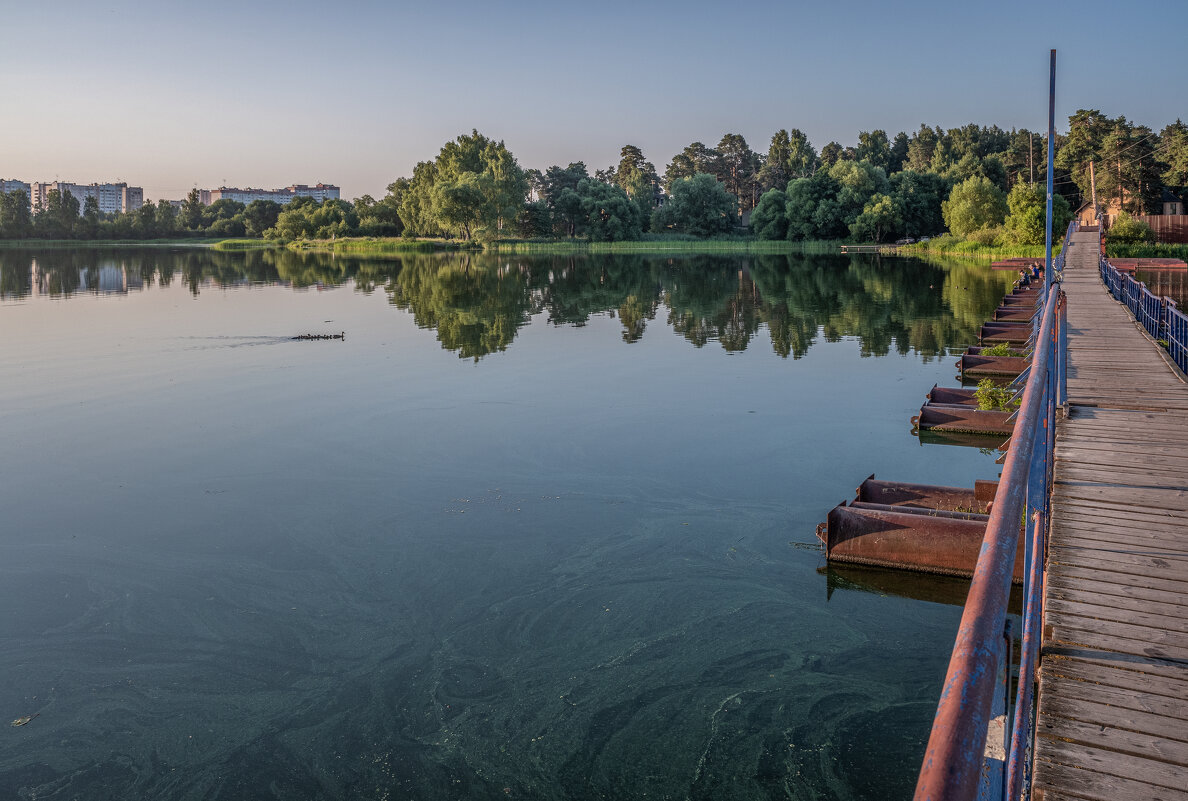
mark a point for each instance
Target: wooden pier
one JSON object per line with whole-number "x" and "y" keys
{"x": 1113, "y": 680}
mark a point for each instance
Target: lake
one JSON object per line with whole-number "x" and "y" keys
{"x": 533, "y": 528}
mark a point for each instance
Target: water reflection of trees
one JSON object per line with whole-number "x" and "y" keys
{"x": 476, "y": 305}
{"x": 477, "y": 302}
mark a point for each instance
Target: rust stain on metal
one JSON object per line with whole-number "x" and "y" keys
{"x": 910, "y": 538}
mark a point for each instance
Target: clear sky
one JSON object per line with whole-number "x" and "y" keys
{"x": 171, "y": 95}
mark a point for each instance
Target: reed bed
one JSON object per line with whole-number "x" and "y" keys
{"x": 661, "y": 247}
{"x": 381, "y": 245}
{"x": 951, "y": 246}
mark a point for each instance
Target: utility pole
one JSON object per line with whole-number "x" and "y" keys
{"x": 1030, "y": 153}
{"x": 1051, "y": 169}
{"x": 1093, "y": 187}
{"x": 1121, "y": 191}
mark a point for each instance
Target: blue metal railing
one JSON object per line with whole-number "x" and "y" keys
{"x": 953, "y": 767}
{"x": 1177, "y": 334}
{"x": 1160, "y": 316}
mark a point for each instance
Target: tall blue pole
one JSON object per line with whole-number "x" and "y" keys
{"x": 1051, "y": 169}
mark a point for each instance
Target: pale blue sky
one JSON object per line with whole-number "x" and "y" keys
{"x": 170, "y": 95}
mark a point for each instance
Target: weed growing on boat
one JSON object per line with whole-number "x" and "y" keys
{"x": 992, "y": 397}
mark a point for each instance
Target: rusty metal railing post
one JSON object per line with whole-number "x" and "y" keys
{"x": 1062, "y": 354}
{"x": 1018, "y": 755}
{"x": 1038, "y": 500}
{"x": 953, "y": 761}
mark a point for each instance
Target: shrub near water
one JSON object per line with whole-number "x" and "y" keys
{"x": 1127, "y": 230}
{"x": 992, "y": 397}
{"x": 974, "y": 204}
{"x": 1028, "y": 219}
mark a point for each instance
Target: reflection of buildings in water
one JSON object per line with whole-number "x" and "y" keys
{"x": 109, "y": 278}
{"x": 105, "y": 278}
{"x": 61, "y": 276}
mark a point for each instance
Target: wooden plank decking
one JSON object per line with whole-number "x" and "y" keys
{"x": 1113, "y": 686}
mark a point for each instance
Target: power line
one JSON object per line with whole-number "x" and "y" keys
{"x": 1136, "y": 142}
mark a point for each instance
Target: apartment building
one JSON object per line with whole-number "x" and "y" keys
{"x": 318, "y": 192}
{"x": 110, "y": 197}
{"x": 15, "y": 186}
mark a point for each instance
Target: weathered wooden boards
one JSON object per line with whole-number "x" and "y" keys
{"x": 1113, "y": 697}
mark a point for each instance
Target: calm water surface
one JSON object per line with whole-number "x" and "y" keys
{"x": 1166, "y": 283}
{"x": 537, "y": 528}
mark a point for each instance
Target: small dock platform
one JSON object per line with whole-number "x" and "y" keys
{"x": 1113, "y": 679}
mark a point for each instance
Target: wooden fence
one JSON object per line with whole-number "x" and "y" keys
{"x": 1168, "y": 227}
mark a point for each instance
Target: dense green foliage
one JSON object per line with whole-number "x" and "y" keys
{"x": 607, "y": 213}
{"x": 975, "y": 204}
{"x": 304, "y": 218}
{"x": 474, "y": 187}
{"x": 1126, "y": 230}
{"x": 769, "y": 220}
{"x": 16, "y": 222}
{"x": 699, "y": 205}
{"x": 880, "y": 216}
{"x": 1131, "y": 164}
{"x": 918, "y": 196}
{"x": 1026, "y": 222}
{"x": 975, "y": 181}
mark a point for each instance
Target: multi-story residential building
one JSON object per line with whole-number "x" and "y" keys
{"x": 121, "y": 197}
{"x": 110, "y": 197}
{"x": 132, "y": 197}
{"x": 15, "y": 186}
{"x": 318, "y": 192}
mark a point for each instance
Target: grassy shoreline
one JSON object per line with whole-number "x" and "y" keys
{"x": 662, "y": 247}
{"x": 379, "y": 245}
{"x": 556, "y": 247}
{"x": 649, "y": 245}
{"x": 188, "y": 242}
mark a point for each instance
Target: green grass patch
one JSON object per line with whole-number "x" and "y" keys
{"x": 247, "y": 244}
{"x": 381, "y": 245}
{"x": 949, "y": 245}
{"x": 192, "y": 241}
{"x": 659, "y": 244}
{"x": 1160, "y": 250}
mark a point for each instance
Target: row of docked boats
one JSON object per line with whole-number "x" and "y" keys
{"x": 937, "y": 529}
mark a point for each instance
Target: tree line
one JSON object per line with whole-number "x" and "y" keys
{"x": 972, "y": 181}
